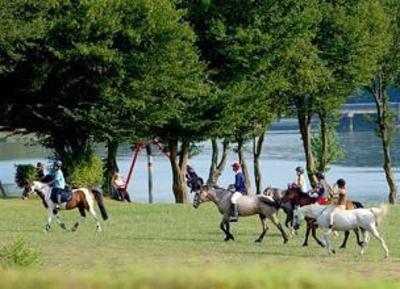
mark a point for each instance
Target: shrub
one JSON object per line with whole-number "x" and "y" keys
{"x": 18, "y": 254}
{"x": 24, "y": 174}
{"x": 87, "y": 172}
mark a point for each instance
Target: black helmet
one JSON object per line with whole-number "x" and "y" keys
{"x": 341, "y": 183}
{"x": 300, "y": 170}
{"x": 320, "y": 175}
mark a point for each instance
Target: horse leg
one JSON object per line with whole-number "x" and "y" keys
{"x": 308, "y": 230}
{"x": 264, "y": 228}
{"x": 346, "y": 236}
{"x": 314, "y": 234}
{"x": 93, "y": 212}
{"x": 49, "y": 220}
{"x": 365, "y": 235}
{"x": 81, "y": 218}
{"x": 327, "y": 238}
{"x": 230, "y": 236}
{"x": 222, "y": 227}
{"x": 60, "y": 222}
{"x": 375, "y": 233}
{"x": 276, "y": 222}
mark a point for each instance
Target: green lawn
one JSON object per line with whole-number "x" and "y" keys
{"x": 178, "y": 237}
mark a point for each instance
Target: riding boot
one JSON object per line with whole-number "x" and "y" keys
{"x": 234, "y": 213}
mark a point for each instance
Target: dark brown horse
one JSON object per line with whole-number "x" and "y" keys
{"x": 293, "y": 197}
{"x": 81, "y": 198}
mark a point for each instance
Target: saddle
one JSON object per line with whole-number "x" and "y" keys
{"x": 66, "y": 196}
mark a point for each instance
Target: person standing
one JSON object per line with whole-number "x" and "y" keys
{"x": 240, "y": 190}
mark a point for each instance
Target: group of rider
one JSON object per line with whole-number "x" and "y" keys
{"x": 321, "y": 193}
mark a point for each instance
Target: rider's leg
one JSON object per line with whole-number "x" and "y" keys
{"x": 234, "y": 209}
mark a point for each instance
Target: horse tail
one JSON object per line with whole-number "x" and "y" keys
{"x": 357, "y": 205}
{"x": 270, "y": 202}
{"x": 98, "y": 195}
{"x": 380, "y": 212}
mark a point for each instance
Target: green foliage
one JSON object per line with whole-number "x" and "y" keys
{"x": 333, "y": 152}
{"x": 87, "y": 172}
{"x": 18, "y": 254}
{"x": 25, "y": 174}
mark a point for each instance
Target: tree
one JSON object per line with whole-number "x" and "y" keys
{"x": 243, "y": 42}
{"x": 387, "y": 72}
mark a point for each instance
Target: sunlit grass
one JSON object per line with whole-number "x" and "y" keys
{"x": 178, "y": 237}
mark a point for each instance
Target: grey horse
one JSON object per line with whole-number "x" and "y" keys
{"x": 247, "y": 206}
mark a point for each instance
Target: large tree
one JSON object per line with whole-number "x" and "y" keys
{"x": 243, "y": 43}
{"x": 387, "y": 72}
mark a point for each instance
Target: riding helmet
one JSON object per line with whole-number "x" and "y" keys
{"x": 341, "y": 183}
{"x": 320, "y": 175}
{"x": 300, "y": 170}
{"x": 57, "y": 164}
{"x": 236, "y": 165}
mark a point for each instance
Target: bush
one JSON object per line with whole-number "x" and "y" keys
{"x": 18, "y": 254}
{"x": 87, "y": 172}
{"x": 25, "y": 174}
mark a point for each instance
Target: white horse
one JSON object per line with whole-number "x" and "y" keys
{"x": 365, "y": 219}
{"x": 82, "y": 198}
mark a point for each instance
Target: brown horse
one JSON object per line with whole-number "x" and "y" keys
{"x": 293, "y": 197}
{"x": 82, "y": 198}
{"x": 247, "y": 206}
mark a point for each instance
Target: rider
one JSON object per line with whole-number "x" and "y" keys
{"x": 192, "y": 179}
{"x": 40, "y": 170}
{"x": 240, "y": 189}
{"x": 321, "y": 190}
{"x": 300, "y": 180}
{"x": 341, "y": 205}
{"x": 58, "y": 182}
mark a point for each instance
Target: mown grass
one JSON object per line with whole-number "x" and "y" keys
{"x": 164, "y": 242}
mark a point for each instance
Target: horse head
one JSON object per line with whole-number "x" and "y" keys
{"x": 200, "y": 196}
{"x": 298, "y": 218}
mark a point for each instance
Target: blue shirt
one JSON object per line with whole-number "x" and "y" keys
{"x": 240, "y": 184}
{"x": 59, "y": 181}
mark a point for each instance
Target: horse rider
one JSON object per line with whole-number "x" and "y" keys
{"x": 342, "y": 199}
{"x": 58, "y": 182}
{"x": 240, "y": 190}
{"x": 40, "y": 170}
{"x": 301, "y": 180}
{"x": 192, "y": 179}
{"x": 321, "y": 190}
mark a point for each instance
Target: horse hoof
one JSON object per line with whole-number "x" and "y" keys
{"x": 257, "y": 241}
{"x": 305, "y": 245}
{"x": 342, "y": 247}
{"x": 226, "y": 239}
{"x": 333, "y": 251}
{"x": 285, "y": 241}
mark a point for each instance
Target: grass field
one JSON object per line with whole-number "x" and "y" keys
{"x": 168, "y": 241}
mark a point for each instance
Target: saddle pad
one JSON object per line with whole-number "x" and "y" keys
{"x": 66, "y": 196}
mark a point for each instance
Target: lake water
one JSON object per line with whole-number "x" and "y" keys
{"x": 282, "y": 152}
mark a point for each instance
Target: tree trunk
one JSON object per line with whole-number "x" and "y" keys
{"x": 216, "y": 167}
{"x": 385, "y": 126}
{"x": 178, "y": 184}
{"x": 257, "y": 149}
{"x": 243, "y": 163}
{"x": 304, "y": 119}
{"x": 323, "y": 161}
{"x": 111, "y": 166}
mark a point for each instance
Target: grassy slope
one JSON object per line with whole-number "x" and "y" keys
{"x": 179, "y": 237}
